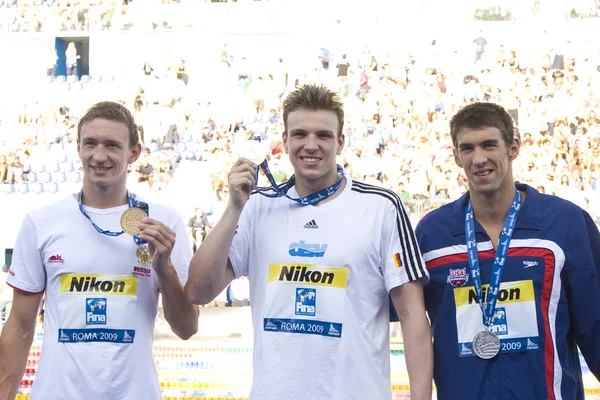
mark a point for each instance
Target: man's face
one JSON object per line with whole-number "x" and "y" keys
{"x": 485, "y": 158}
{"x": 313, "y": 144}
{"x": 104, "y": 151}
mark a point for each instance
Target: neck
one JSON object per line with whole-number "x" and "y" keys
{"x": 491, "y": 209}
{"x": 103, "y": 197}
{"x": 305, "y": 187}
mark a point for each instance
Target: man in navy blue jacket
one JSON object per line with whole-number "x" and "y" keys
{"x": 514, "y": 276}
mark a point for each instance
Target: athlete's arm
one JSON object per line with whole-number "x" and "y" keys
{"x": 210, "y": 269}
{"x": 181, "y": 315}
{"x": 15, "y": 341}
{"x": 410, "y": 306}
{"x": 583, "y": 288}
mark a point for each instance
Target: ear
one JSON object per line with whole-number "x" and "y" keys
{"x": 341, "y": 141}
{"x": 134, "y": 153}
{"x": 515, "y": 147}
{"x": 285, "y": 142}
{"x": 457, "y": 158}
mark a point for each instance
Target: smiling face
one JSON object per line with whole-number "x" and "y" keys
{"x": 313, "y": 143}
{"x": 105, "y": 153}
{"x": 486, "y": 159}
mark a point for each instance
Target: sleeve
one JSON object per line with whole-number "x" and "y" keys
{"x": 27, "y": 273}
{"x": 239, "y": 254}
{"x": 182, "y": 251}
{"x": 402, "y": 259}
{"x": 583, "y": 290}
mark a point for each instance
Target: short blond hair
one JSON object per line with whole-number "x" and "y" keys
{"x": 314, "y": 97}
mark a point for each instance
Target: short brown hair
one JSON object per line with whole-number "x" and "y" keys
{"x": 113, "y": 112}
{"x": 483, "y": 115}
{"x": 314, "y": 97}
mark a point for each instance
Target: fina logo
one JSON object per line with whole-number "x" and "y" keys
{"x": 306, "y": 302}
{"x": 500, "y": 327}
{"x": 95, "y": 311}
{"x": 303, "y": 249}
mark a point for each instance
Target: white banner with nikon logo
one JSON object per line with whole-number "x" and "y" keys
{"x": 305, "y": 299}
{"x": 97, "y": 308}
{"x": 515, "y": 319}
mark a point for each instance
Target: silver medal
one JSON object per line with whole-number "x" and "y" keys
{"x": 486, "y": 345}
{"x": 254, "y": 151}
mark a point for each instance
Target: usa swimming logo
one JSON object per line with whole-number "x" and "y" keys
{"x": 306, "y": 302}
{"x": 303, "y": 249}
{"x": 458, "y": 277}
{"x": 95, "y": 311}
{"x": 500, "y": 327}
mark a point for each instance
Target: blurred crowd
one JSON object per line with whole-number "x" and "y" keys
{"x": 397, "y": 119}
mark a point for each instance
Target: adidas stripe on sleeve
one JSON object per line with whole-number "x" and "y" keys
{"x": 402, "y": 259}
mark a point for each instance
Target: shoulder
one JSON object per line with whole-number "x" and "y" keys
{"x": 376, "y": 195}
{"x": 554, "y": 206}
{"x": 439, "y": 216}
{"x": 54, "y": 210}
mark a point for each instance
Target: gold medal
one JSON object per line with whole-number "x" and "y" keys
{"x": 130, "y": 220}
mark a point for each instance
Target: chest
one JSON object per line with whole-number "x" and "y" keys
{"x": 80, "y": 262}
{"x": 337, "y": 238}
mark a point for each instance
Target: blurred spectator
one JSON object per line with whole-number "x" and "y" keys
{"x": 182, "y": 73}
{"x": 71, "y": 60}
{"x": 146, "y": 172}
{"x": 15, "y": 171}
{"x": 3, "y": 169}
{"x": 342, "y": 74}
{"x": 199, "y": 225}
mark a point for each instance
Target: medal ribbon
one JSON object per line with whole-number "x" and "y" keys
{"x": 281, "y": 191}
{"x": 132, "y": 203}
{"x": 492, "y": 294}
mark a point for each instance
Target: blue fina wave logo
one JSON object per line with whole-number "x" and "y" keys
{"x": 303, "y": 249}
{"x": 306, "y": 302}
{"x": 499, "y": 325}
{"x": 95, "y": 311}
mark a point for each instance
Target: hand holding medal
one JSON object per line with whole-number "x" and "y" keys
{"x": 160, "y": 238}
{"x": 254, "y": 151}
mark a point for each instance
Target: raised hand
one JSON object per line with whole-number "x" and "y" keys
{"x": 241, "y": 182}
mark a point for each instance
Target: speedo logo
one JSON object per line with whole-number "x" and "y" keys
{"x": 99, "y": 283}
{"x": 309, "y": 274}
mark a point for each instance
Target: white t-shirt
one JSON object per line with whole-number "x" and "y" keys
{"x": 319, "y": 288}
{"x": 101, "y": 300}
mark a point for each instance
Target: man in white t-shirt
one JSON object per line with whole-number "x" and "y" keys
{"x": 321, "y": 269}
{"x": 101, "y": 285}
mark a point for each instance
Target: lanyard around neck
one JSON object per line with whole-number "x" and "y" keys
{"x": 132, "y": 203}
